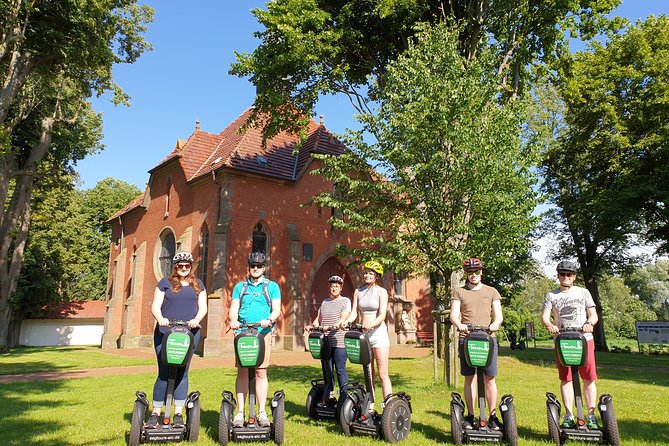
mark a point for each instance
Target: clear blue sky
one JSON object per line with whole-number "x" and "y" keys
{"x": 186, "y": 78}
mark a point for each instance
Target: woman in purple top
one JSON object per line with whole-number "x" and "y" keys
{"x": 180, "y": 297}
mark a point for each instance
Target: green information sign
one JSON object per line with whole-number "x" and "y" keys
{"x": 352, "y": 347}
{"x": 571, "y": 351}
{"x": 478, "y": 352}
{"x": 247, "y": 351}
{"x": 315, "y": 347}
{"x": 177, "y": 348}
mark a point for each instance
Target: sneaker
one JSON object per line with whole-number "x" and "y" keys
{"x": 468, "y": 422}
{"x": 263, "y": 421}
{"x": 238, "y": 421}
{"x": 592, "y": 422}
{"x": 494, "y": 423}
{"x": 178, "y": 420}
{"x": 568, "y": 421}
{"x": 153, "y": 421}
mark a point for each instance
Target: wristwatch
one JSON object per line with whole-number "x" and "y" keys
{"x": 588, "y": 323}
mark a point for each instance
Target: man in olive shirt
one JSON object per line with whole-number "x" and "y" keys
{"x": 473, "y": 304}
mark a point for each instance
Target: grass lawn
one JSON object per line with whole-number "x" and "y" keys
{"x": 97, "y": 411}
{"x": 52, "y": 359}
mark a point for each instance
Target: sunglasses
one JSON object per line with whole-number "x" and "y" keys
{"x": 474, "y": 273}
{"x": 256, "y": 266}
{"x": 561, "y": 274}
{"x": 184, "y": 266}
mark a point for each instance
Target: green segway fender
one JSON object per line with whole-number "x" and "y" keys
{"x": 317, "y": 345}
{"x": 177, "y": 346}
{"x": 357, "y": 348}
{"x": 571, "y": 349}
{"x": 250, "y": 348}
{"x": 478, "y": 349}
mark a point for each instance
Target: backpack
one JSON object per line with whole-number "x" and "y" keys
{"x": 265, "y": 292}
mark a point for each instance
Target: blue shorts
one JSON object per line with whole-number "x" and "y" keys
{"x": 466, "y": 370}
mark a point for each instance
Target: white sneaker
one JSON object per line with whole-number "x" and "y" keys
{"x": 238, "y": 421}
{"x": 263, "y": 420}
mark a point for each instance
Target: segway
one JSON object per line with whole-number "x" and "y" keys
{"x": 320, "y": 349}
{"x": 177, "y": 349}
{"x": 356, "y": 415}
{"x": 478, "y": 354}
{"x": 250, "y": 351}
{"x": 571, "y": 348}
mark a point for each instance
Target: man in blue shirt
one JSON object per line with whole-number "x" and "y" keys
{"x": 257, "y": 299}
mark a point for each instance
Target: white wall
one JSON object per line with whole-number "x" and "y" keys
{"x": 42, "y": 332}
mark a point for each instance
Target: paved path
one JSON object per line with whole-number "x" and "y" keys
{"x": 279, "y": 358}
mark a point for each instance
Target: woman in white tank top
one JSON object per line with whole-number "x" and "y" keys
{"x": 371, "y": 301}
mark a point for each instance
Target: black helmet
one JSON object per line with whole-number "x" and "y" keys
{"x": 567, "y": 265}
{"x": 257, "y": 258}
{"x": 182, "y": 257}
{"x": 336, "y": 279}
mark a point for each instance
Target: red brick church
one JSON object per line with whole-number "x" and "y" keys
{"x": 222, "y": 196}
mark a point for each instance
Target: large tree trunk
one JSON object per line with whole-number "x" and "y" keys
{"x": 598, "y": 334}
{"x": 5, "y": 322}
{"x": 14, "y": 229}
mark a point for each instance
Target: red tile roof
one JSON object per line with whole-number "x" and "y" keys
{"x": 128, "y": 207}
{"x": 87, "y": 309}
{"x": 205, "y": 152}
{"x": 279, "y": 158}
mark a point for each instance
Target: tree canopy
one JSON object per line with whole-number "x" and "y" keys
{"x": 454, "y": 177}
{"x": 54, "y": 55}
{"x": 611, "y": 156}
{"x": 314, "y": 47}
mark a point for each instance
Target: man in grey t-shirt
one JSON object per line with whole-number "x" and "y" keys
{"x": 572, "y": 306}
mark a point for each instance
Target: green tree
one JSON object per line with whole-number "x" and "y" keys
{"x": 96, "y": 206}
{"x": 614, "y": 138}
{"x": 650, "y": 283}
{"x": 526, "y": 300}
{"x": 456, "y": 179}
{"x": 53, "y": 57}
{"x": 621, "y": 309}
{"x": 314, "y": 47}
{"x": 67, "y": 252}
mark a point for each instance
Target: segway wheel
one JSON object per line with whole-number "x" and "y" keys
{"x": 553, "y": 427}
{"x": 278, "y": 415}
{"x": 346, "y": 415}
{"x": 610, "y": 424}
{"x": 509, "y": 424}
{"x": 396, "y": 421}
{"x": 137, "y": 423}
{"x": 456, "y": 424}
{"x": 224, "y": 423}
{"x": 313, "y": 398}
{"x": 193, "y": 421}
{"x": 522, "y": 345}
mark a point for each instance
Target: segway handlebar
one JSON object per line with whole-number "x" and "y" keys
{"x": 568, "y": 329}
{"x": 180, "y": 323}
{"x": 483, "y": 328}
{"x": 250, "y": 325}
{"x": 321, "y": 328}
{"x": 357, "y": 327}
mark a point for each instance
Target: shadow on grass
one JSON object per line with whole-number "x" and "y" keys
{"x": 303, "y": 373}
{"x": 16, "y": 426}
{"x": 651, "y": 432}
{"x": 443, "y": 435}
{"x": 636, "y": 367}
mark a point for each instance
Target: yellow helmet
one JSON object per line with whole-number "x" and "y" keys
{"x": 374, "y": 266}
